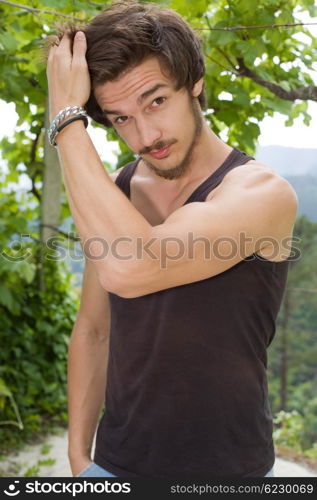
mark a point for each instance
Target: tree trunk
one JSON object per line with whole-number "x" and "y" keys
{"x": 51, "y": 195}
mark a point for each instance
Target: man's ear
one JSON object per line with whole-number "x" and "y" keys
{"x": 198, "y": 87}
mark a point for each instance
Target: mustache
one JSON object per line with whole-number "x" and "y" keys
{"x": 157, "y": 146}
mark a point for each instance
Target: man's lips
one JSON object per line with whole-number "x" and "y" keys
{"x": 160, "y": 153}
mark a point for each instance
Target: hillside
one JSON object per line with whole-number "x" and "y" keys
{"x": 299, "y": 167}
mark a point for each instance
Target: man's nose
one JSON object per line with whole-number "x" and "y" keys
{"x": 148, "y": 133}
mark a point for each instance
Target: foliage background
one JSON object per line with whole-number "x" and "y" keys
{"x": 251, "y": 73}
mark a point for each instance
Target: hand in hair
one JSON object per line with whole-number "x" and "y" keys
{"x": 67, "y": 73}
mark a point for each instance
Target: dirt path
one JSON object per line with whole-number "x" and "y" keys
{"x": 49, "y": 459}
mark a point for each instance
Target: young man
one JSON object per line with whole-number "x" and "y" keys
{"x": 186, "y": 259}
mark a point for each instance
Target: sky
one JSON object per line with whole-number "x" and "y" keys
{"x": 274, "y": 132}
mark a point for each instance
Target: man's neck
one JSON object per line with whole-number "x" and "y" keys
{"x": 209, "y": 154}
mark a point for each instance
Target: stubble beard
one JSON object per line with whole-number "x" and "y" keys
{"x": 182, "y": 168}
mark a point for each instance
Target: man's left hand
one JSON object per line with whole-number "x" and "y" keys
{"x": 67, "y": 74}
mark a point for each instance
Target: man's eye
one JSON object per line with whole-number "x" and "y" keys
{"x": 158, "y": 101}
{"x": 120, "y": 120}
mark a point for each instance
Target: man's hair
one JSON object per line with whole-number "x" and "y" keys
{"x": 127, "y": 33}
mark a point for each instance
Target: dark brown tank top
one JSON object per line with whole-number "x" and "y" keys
{"x": 187, "y": 387}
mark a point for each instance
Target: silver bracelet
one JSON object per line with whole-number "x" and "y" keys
{"x": 64, "y": 113}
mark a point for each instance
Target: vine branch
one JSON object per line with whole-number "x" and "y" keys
{"x": 221, "y": 65}
{"x": 34, "y": 10}
{"x": 262, "y": 26}
{"x": 304, "y": 93}
{"x": 227, "y": 58}
{"x": 95, "y": 4}
{"x": 66, "y": 235}
{"x": 34, "y": 190}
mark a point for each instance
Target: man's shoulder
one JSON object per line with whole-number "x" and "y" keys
{"x": 259, "y": 176}
{"x": 250, "y": 173}
{"x": 258, "y": 185}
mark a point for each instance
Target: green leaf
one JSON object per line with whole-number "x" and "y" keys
{"x": 228, "y": 116}
{"x": 25, "y": 269}
{"x": 8, "y": 41}
{"x": 221, "y": 38}
{"x": 6, "y": 298}
{"x": 265, "y": 75}
{"x": 4, "y": 389}
{"x": 277, "y": 104}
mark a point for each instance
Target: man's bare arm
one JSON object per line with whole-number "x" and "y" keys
{"x": 266, "y": 207}
{"x": 252, "y": 212}
{"x": 87, "y": 365}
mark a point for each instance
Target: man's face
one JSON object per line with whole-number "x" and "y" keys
{"x": 157, "y": 122}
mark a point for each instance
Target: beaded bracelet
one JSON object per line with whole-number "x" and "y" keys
{"x": 64, "y": 113}
{"x": 71, "y": 120}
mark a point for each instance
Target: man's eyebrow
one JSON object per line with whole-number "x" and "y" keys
{"x": 140, "y": 99}
{"x": 151, "y": 91}
{"x": 112, "y": 112}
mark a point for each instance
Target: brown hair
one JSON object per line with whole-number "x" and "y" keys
{"x": 126, "y": 33}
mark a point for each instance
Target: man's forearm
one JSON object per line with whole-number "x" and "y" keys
{"x": 95, "y": 199}
{"x": 87, "y": 365}
{"x": 102, "y": 213}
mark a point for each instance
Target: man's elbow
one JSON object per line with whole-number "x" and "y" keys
{"x": 128, "y": 279}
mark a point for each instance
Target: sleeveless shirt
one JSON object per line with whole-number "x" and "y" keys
{"x": 187, "y": 391}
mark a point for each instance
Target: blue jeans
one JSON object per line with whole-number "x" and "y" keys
{"x": 94, "y": 470}
{"x": 270, "y": 473}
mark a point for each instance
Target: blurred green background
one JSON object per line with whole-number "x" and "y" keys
{"x": 251, "y": 74}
